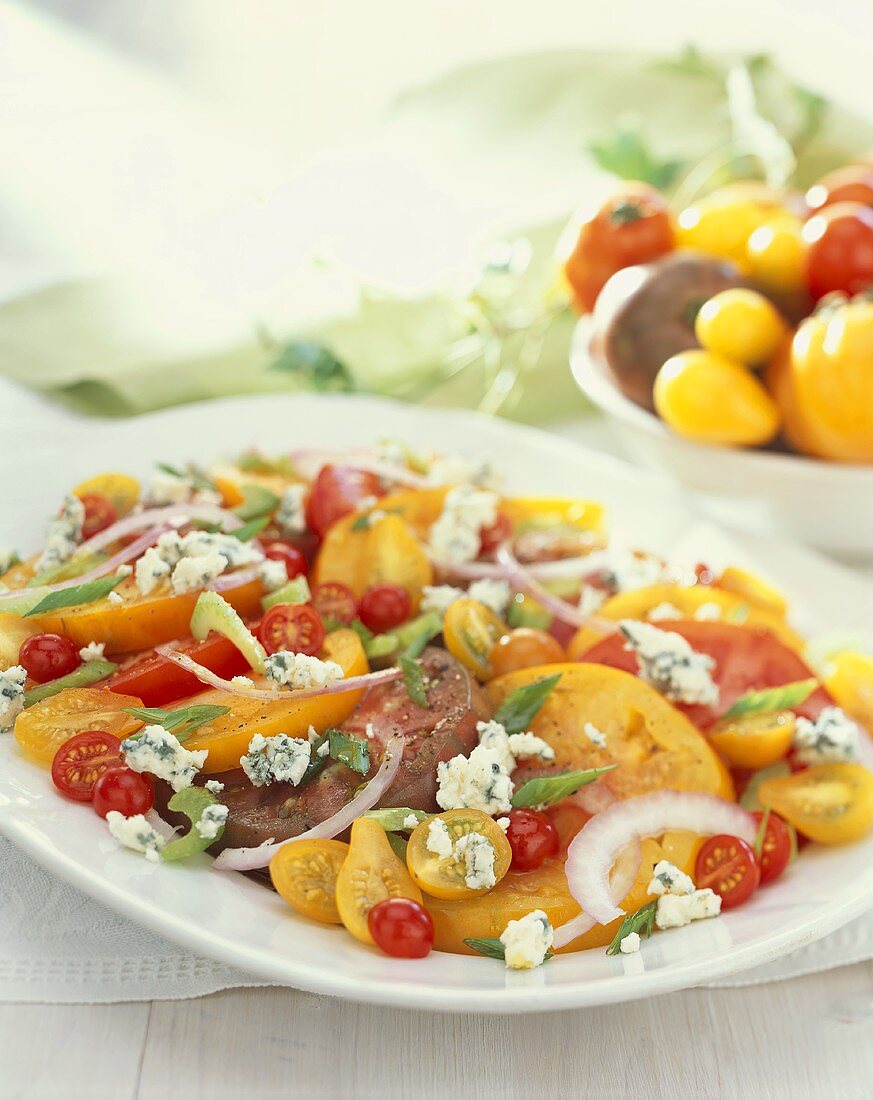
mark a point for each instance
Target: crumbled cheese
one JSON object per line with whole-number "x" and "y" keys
{"x": 630, "y": 943}
{"x": 151, "y": 570}
{"x": 455, "y": 470}
{"x": 591, "y": 599}
{"x": 214, "y": 786}
{"x": 664, "y": 611}
{"x": 668, "y": 879}
{"x": 439, "y": 840}
{"x": 273, "y": 575}
{"x": 290, "y": 516}
{"x": 115, "y": 598}
{"x": 440, "y": 597}
{"x": 242, "y": 681}
{"x": 168, "y": 488}
{"x": 212, "y": 820}
{"x": 410, "y": 821}
{"x": 297, "y": 670}
{"x": 475, "y": 783}
{"x": 135, "y": 833}
{"x": 494, "y": 594}
{"x": 709, "y": 612}
{"x": 527, "y": 941}
{"x": 8, "y": 558}
{"x": 93, "y": 651}
{"x": 280, "y": 758}
{"x": 832, "y": 738}
{"x": 124, "y": 570}
{"x": 477, "y": 854}
{"x": 628, "y": 571}
{"x": 323, "y": 749}
{"x": 193, "y": 573}
{"x": 509, "y": 747}
{"x": 200, "y": 544}
{"x": 504, "y": 823}
{"x": 669, "y": 664}
{"x": 369, "y": 731}
{"x": 156, "y": 751}
{"x": 64, "y": 534}
{"x": 12, "y": 681}
{"x": 594, "y": 735}
{"x": 455, "y": 536}
{"x": 677, "y": 910}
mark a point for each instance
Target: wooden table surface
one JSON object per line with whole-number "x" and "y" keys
{"x": 786, "y": 1039}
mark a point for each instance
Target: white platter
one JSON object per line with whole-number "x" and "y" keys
{"x": 240, "y": 923}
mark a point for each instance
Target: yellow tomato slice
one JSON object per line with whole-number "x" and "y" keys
{"x": 227, "y": 737}
{"x": 370, "y": 874}
{"x": 653, "y": 744}
{"x": 42, "y": 729}
{"x": 470, "y": 631}
{"x": 850, "y": 680}
{"x": 420, "y": 508}
{"x": 444, "y": 877}
{"x": 756, "y": 741}
{"x": 754, "y": 589}
{"x": 120, "y": 490}
{"x": 528, "y": 512}
{"x": 13, "y": 631}
{"x": 305, "y": 874}
{"x": 830, "y": 803}
{"x": 388, "y": 551}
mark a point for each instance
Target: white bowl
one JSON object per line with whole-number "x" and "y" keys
{"x": 826, "y": 504}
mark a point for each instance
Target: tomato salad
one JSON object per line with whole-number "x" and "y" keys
{"x": 437, "y": 715}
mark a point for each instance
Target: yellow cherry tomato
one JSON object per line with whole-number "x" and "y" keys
{"x": 42, "y": 729}
{"x": 370, "y": 873}
{"x": 305, "y": 874}
{"x": 527, "y": 513}
{"x": 470, "y": 631}
{"x": 776, "y": 255}
{"x": 121, "y": 491}
{"x": 753, "y": 589}
{"x": 830, "y": 803}
{"x": 444, "y": 876}
{"x": 710, "y": 399}
{"x": 850, "y": 680}
{"x": 524, "y": 647}
{"x": 722, "y": 223}
{"x": 756, "y": 741}
{"x": 740, "y": 324}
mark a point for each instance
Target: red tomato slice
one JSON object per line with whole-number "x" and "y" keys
{"x": 776, "y": 849}
{"x": 491, "y": 537}
{"x": 336, "y": 491}
{"x": 335, "y": 601}
{"x": 297, "y": 627}
{"x": 81, "y": 760}
{"x": 728, "y": 866}
{"x": 746, "y": 659}
{"x": 157, "y": 681}
{"x": 99, "y": 514}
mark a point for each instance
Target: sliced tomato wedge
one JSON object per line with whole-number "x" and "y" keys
{"x": 81, "y": 760}
{"x": 336, "y": 491}
{"x": 297, "y": 627}
{"x": 336, "y": 601}
{"x": 157, "y": 681}
{"x": 727, "y": 865}
{"x": 99, "y": 514}
{"x": 747, "y": 658}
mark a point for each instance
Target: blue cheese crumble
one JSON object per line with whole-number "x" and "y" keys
{"x": 64, "y": 534}
{"x": 439, "y": 839}
{"x": 455, "y": 536}
{"x": 274, "y": 574}
{"x": 594, "y": 735}
{"x": 12, "y": 681}
{"x": 194, "y": 573}
{"x": 677, "y": 910}
{"x": 168, "y": 488}
{"x": 93, "y": 651}
{"x": 156, "y": 751}
{"x": 527, "y": 941}
{"x": 212, "y": 821}
{"x": 298, "y": 671}
{"x": 280, "y": 759}
{"x": 477, "y": 854}
{"x": 290, "y": 516}
{"x": 135, "y": 833}
{"x": 668, "y": 879}
{"x": 669, "y": 664}
{"x": 630, "y": 944}
{"x": 457, "y": 470}
{"x": 214, "y": 786}
{"x": 832, "y": 738}
{"x": 493, "y": 594}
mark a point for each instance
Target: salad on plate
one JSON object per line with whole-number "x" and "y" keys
{"x": 436, "y": 715}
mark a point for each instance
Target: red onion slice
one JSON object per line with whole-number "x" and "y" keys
{"x": 234, "y": 580}
{"x": 250, "y": 859}
{"x": 562, "y": 610}
{"x": 579, "y": 567}
{"x": 595, "y": 849}
{"x": 151, "y": 517}
{"x": 308, "y": 461}
{"x": 623, "y": 876}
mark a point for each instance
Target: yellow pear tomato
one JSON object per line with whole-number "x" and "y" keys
{"x": 722, "y": 223}
{"x": 305, "y": 873}
{"x": 370, "y": 873}
{"x": 471, "y": 630}
{"x": 740, "y": 324}
{"x": 776, "y": 256}
{"x": 384, "y": 551}
{"x": 444, "y": 876}
{"x": 756, "y": 741}
{"x": 121, "y": 491}
{"x": 829, "y": 803}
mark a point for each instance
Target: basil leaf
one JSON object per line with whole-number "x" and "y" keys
{"x": 354, "y": 752}
{"x": 316, "y": 763}
{"x": 250, "y": 529}
{"x": 549, "y": 789}
{"x": 626, "y": 155}
{"x": 197, "y": 480}
{"x": 181, "y": 722}
{"x": 316, "y": 366}
{"x": 88, "y": 673}
{"x": 257, "y": 501}
{"x": 391, "y": 819}
{"x": 254, "y": 463}
{"x": 493, "y": 948}
{"x": 398, "y": 846}
{"x": 191, "y": 801}
{"x": 72, "y": 597}
{"x": 770, "y": 700}
{"x": 413, "y": 678}
{"x": 519, "y": 708}
{"x": 642, "y": 922}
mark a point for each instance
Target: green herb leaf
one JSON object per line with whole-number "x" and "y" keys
{"x": 749, "y": 799}
{"x": 493, "y": 948}
{"x": 73, "y": 597}
{"x": 521, "y": 706}
{"x": 413, "y": 677}
{"x": 253, "y": 463}
{"x": 413, "y": 636}
{"x": 391, "y": 819}
{"x": 691, "y": 62}
{"x": 257, "y": 501}
{"x": 770, "y": 700}
{"x": 316, "y": 366}
{"x": 398, "y": 846}
{"x": 761, "y": 833}
{"x": 181, "y": 722}
{"x": 549, "y": 789}
{"x": 354, "y": 752}
{"x": 642, "y": 922}
{"x": 248, "y": 530}
{"x": 197, "y": 480}
{"x": 626, "y": 155}
{"x": 88, "y": 673}
{"x": 191, "y": 801}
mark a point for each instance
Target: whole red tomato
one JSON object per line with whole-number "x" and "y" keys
{"x": 853, "y": 183}
{"x": 839, "y": 249}
{"x": 634, "y": 226}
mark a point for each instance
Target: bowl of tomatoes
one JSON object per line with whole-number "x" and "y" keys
{"x": 730, "y": 341}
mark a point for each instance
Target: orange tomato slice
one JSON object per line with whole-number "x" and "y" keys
{"x": 388, "y": 551}
{"x": 43, "y": 728}
{"x": 830, "y": 803}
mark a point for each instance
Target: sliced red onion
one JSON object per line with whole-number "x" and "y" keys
{"x": 207, "y": 676}
{"x": 163, "y": 828}
{"x": 234, "y": 580}
{"x": 544, "y": 570}
{"x": 151, "y": 517}
{"x": 251, "y": 859}
{"x": 623, "y": 876}
{"x": 521, "y": 576}
{"x": 595, "y": 849}
{"x": 308, "y": 461}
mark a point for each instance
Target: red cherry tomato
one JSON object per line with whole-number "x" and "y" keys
{"x": 728, "y": 866}
{"x": 335, "y": 602}
{"x": 48, "y": 656}
{"x": 80, "y": 762}
{"x": 156, "y": 681}
{"x": 297, "y": 627}
{"x": 99, "y": 514}
{"x": 491, "y": 537}
{"x": 703, "y": 573}
{"x": 839, "y": 249}
{"x": 533, "y": 839}
{"x": 124, "y": 790}
{"x": 853, "y": 183}
{"x": 336, "y": 491}
{"x": 776, "y": 849}
{"x": 295, "y": 561}
{"x": 384, "y": 606}
{"x": 401, "y": 927}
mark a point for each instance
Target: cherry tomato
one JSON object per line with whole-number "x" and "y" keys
{"x": 48, "y": 656}
{"x": 839, "y": 249}
{"x": 853, "y": 183}
{"x": 384, "y": 606}
{"x": 99, "y": 514}
{"x": 491, "y": 537}
{"x": 776, "y": 849}
{"x": 156, "y": 681}
{"x": 81, "y": 760}
{"x": 335, "y": 601}
{"x": 401, "y": 927}
{"x": 524, "y": 647}
{"x": 533, "y": 839}
{"x": 297, "y": 627}
{"x": 304, "y": 873}
{"x": 727, "y": 865}
{"x": 123, "y": 790}
{"x": 336, "y": 491}
{"x": 295, "y": 561}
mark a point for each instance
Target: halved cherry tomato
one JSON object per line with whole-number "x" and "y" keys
{"x": 305, "y": 872}
{"x": 48, "y": 656}
{"x": 491, "y": 537}
{"x": 336, "y": 491}
{"x": 727, "y": 865}
{"x": 830, "y": 803}
{"x": 384, "y": 606}
{"x": 99, "y": 514}
{"x": 43, "y": 728}
{"x": 157, "y": 681}
{"x": 402, "y": 928}
{"x": 293, "y": 557}
{"x": 776, "y": 847}
{"x": 81, "y": 760}
{"x": 533, "y": 839}
{"x": 125, "y": 791}
{"x": 335, "y": 602}
{"x": 471, "y": 630}
{"x": 524, "y": 647}
{"x": 443, "y": 876}
{"x": 370, "y": 874}
{"x": 755, "y": 741}
{"x": 839, "y": 253}
{"x": 296, "y": 627}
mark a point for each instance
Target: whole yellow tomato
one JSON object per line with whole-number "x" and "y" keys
{"x": 740, "y": 324}
{"x": 775, "y": 255}
{"x": 722, "y": 223}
